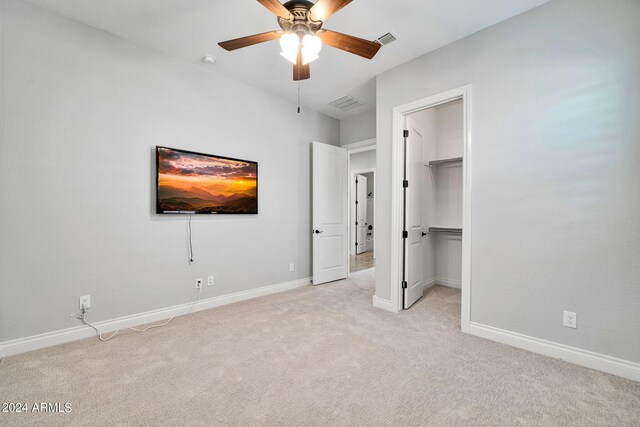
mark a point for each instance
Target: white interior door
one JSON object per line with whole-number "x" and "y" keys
{"x": 330, "y": 213}
{"x": 361, "y": 213}
{"x": 414, "y": 249}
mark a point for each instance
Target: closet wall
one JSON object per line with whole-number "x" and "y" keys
{"x": 442, "y": 185}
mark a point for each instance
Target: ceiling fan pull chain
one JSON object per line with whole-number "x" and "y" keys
{"x": 298, "y": 96}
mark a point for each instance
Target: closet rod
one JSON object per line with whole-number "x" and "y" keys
{"x": 443, "y": 161}
{"x": 445, "y": 230}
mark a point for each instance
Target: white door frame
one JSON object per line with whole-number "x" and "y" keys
{"x": 360, "y": 146}
{"x": 351, "y": 179}
{"x": 397, "y": 154}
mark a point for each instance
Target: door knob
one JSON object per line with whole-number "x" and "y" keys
{"x": 318, "y": 231}
{"x": 424, "y": 234}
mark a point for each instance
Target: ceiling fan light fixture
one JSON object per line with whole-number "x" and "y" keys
{"x": 311, "y": 46}
{"x": 308, "y": 57}
{"x": 289, "y": 56}
{"x": 289, "y": 44}
{"x": 313, "y": 43}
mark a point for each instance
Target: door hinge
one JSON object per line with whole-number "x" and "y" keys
{"x": 405, "y": 183}
{"x": 357, "y": 181}
{"x": 356, "y": 222}
{"x": 356, "y": 202}
{"x": 405, "y": 133}
{"x": 404, "y": 285}
{"x": 405, "y": 234}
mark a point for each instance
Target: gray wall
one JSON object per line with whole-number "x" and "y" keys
{"x": 358, "y": 128}
{"x": 84, "y": 111}
{"x": 556, "y": 102}
{"x": 363, "y": 160}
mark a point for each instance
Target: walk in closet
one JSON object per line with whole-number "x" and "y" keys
{"x": 434, "y": 198}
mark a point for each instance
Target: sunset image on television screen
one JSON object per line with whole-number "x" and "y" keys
{"x": 204, "y": 184}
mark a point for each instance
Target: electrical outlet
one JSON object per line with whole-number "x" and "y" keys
{"x": 292, "y": 267}
{"x": 84, "y": 302}
{"x": 198, "y": 283}
{"x": 570, "y": 319}
{"x": 210, "y": 281}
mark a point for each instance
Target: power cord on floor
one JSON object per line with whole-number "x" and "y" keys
{"x": 83, "y": 314}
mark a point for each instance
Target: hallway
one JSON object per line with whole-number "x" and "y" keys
{"x": 363, "y": 261}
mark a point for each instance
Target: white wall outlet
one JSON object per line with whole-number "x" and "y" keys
{"x": 292, "y": 267}
{"x": 570, "y": 319}
{"x": 210, "y": 281}
{"x": 84, "y": 302}
{"x": 198, "y": 283}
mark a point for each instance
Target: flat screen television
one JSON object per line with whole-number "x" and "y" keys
{"x": 196, "y": 183}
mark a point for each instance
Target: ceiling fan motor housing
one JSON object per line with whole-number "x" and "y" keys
{"x": 299, "y": 21}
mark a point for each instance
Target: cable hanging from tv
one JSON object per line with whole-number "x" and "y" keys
{"x": 190, "y": 242}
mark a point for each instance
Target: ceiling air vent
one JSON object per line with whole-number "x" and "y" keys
{"x": 346, "y": 103}
{"x": 386, "y": 39}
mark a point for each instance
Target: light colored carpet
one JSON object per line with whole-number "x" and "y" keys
{"x": 314, "y": 356}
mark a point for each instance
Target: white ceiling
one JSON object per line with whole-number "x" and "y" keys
{"x": 190, "y": 29}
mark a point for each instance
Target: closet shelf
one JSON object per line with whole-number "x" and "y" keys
{"x": 445, "y": 230}
{"x": 444, "y": 161}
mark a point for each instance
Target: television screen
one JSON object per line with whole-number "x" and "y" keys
{"x": 189, "y": 182}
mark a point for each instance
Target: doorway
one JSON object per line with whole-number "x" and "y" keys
{"x": 362, "y": 238}
{"x": 362, "y": 189}
{"x": 430, "y": 206}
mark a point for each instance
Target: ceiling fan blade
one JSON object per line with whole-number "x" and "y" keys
{"x": 276, "y": 7}
{"x": 301, "y": 72}
{"x": 249, "y": 40}
{"x": 351, "y": 44}
{"x": 325, "y": 8}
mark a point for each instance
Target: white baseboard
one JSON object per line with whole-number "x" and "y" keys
{"x": 384, "y": 304}
{"x": 612, "y": 365}
{"x": 48, "y": 339}
{"x": 443, "y": 281}
{"x": 428, "y": 283}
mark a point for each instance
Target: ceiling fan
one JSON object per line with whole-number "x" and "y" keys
{"x": 302, "y": 35}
